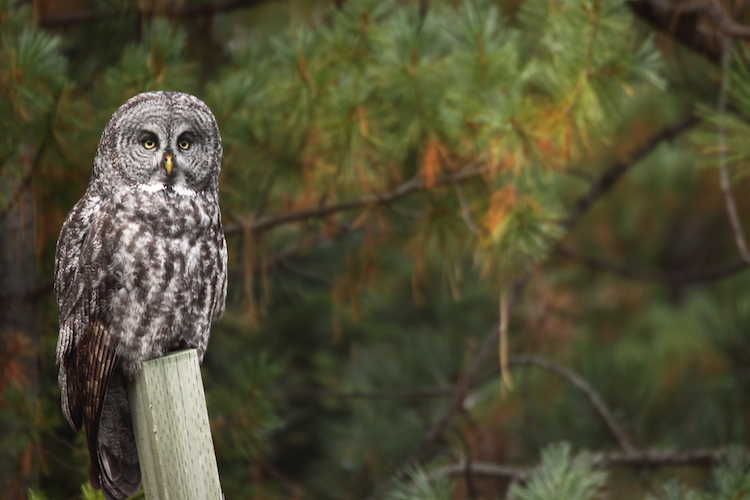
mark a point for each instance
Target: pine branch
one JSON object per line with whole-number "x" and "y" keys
{"x": 726, "y": 188}
{"x": 637, "y": 459}
{"x": 598, "y": 189}
{"x": 656, "y": 458}
{"x": 462, "y": 387}
{"x": 679, "y": 278}
{"x": 413, "y": 185}
{"x": 601, "y": 408}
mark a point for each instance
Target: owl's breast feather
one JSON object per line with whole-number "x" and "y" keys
{"x": 169, "y": 259}
{"x": 167, "y": 213}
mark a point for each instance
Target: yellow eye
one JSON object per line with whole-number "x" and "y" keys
{"x": 184, "y": 144}
{"x": 149, "y": 144}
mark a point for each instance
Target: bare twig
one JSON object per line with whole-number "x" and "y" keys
{"x": 28, "y": 173}
{"x": 726, "y": 188}
{"x": 465, "y": 212}
{"x": 430, "y": 392}
{"x": 714, "y": 12}
{"x": 303, "y": 273}
{"x": 260, "y": 206}
{"x": 616, "y": 171}
{"x": 576, "y": 380}
{"x": 22, "y": 185}
{"x": 471, "y": 487}
{"x": 502, "y": 334}
{"x": 683, "y": 21}
{"x": 484, "y": 469}
{"x": 604, "y": 413}
{"x": 680, "y": 277}
{"x": 286, "y": 483}
{"x": 462, "y": 387}
{"x": 609, "y": 421}
{"x": 655, "y": 458}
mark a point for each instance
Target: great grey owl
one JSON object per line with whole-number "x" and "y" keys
{"x": 140, "y": 268}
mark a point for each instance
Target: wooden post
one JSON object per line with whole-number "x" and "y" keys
{"x": 172, "y": 433}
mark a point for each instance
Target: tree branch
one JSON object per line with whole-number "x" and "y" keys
{"x": 465, "y": 211}
{"x": 415, "y": 184}
{"x": 726, "y": 188}
{"x": 471, "y": 487}
{"x": 683, "y": 22}
{"x": 679, "y": 278}
{"x": 714, "y": 12}
{"x": 463, "y": 385}
{"x": 475, "y": 168}
{"x": 598, "y": 189}
{"x": 616, "y": 171}
{"x": 430, "y": 392}
{"x": 287, "y": 484}
{"x": 87, "y": 16}
{"x": 576, "y": 380}
{"x": 609, "y": 421}
{"x": 650, "y": 459}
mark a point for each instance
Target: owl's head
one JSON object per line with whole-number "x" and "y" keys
{"x": 160, "y": 141}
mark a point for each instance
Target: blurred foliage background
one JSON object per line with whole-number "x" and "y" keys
{"x": 478, "y": 249}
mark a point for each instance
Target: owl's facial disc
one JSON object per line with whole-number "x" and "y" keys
{"x": 164, "y": 143}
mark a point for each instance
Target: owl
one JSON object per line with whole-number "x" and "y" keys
{"x": 140, "y": 269}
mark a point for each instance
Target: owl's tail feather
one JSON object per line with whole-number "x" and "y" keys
{"x": 118, "y": 473}
{"x": 100, "y": 398}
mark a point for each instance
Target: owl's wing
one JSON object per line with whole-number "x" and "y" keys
{"x": 220, "y": 293}
{"x": 90, "y": 368}
{"x": 103, "y": 404}
{"x": 86, "y": 352}
{"x": 93, "y": 389}
{"x": 69, "y": 287}
{"x": 69, "y": 280}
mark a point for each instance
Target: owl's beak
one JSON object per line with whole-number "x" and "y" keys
{"x": 168, "y": 163}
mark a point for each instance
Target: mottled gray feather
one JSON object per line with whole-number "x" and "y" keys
{"x": 141, "y": 263}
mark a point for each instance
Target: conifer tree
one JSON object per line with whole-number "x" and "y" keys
{"x": 428, "y": 205}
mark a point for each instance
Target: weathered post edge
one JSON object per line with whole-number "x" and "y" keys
{"x": 172, "y": 431}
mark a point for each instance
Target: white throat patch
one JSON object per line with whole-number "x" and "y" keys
{"x": 152, "y": 188}
{"x": 155, "y": 188}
